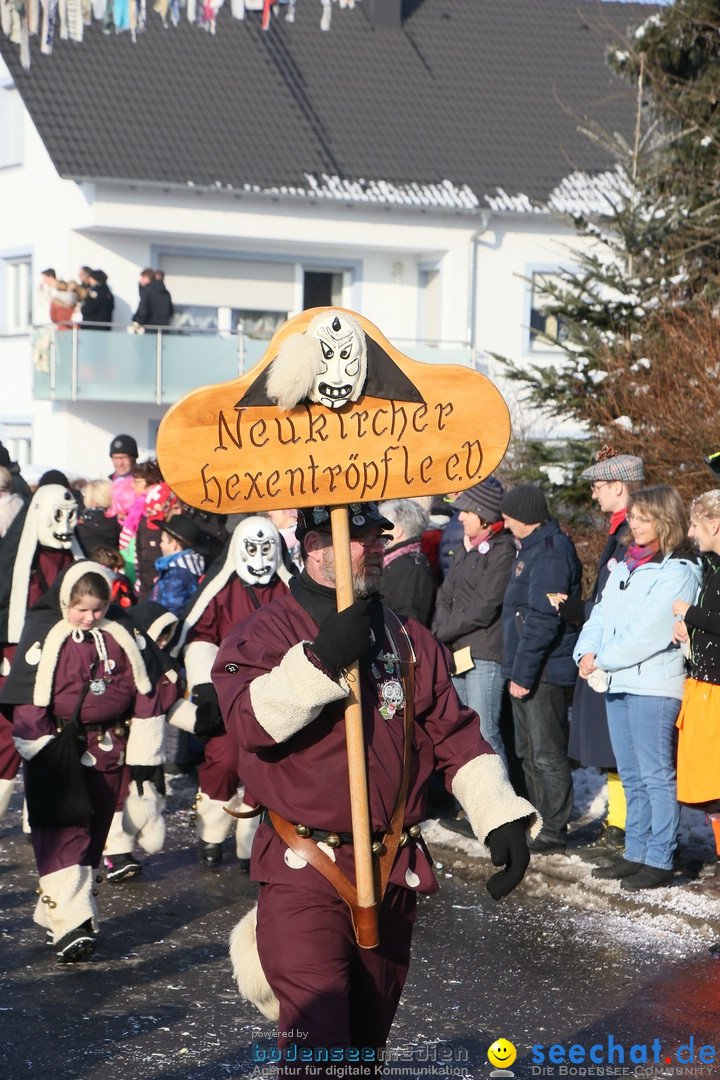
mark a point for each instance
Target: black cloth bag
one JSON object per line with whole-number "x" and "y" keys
{"x": 56, "y": 787}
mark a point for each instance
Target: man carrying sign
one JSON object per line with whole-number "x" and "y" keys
{"x": 280, "y": 679}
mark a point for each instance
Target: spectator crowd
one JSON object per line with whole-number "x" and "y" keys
{"x": 625, "y": 679}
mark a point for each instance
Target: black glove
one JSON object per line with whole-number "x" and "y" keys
{"x": 508, "y": 847}
{"x": 141, "y": 773}
{"x": 344, "y": 636}
{"x": 208, "y": 718}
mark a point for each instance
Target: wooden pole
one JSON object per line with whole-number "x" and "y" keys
{"x": 367, "y": 925}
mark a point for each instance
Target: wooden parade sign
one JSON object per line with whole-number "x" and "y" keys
{"x": 334, "y": 415}
{"x": 390, "y": 427}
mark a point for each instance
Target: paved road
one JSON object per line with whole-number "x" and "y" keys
{"x": 553, "y": 964}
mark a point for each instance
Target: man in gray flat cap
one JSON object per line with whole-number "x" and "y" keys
{"x": 613, "y": 478}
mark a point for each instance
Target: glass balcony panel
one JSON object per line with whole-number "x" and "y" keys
{"x": 115, "y": 366}
{"x": 190, "y": 360}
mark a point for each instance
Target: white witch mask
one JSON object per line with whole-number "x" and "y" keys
{"x": 55, "y": 512}
{"x": 327, "y": 364}
{"x": 343, "y": 358}
{"x": 257, "y": 550}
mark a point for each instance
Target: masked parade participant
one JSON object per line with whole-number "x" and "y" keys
{"x": 280, "y": 680}
{"x": 36, "y": 548}
{"x": 82, "y": 704}
{"x": 250, "y": 576}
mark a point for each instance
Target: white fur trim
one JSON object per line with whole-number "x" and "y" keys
{"x": 182, "y": 714}
{"x": 28, "y": 748}
{"x": 66, "y": 900}
{"x": 143, "y": 816}
{"x": 199, "y": 659}
{"x": 42, "y": 691}
{"x": 247, "y": 969}
{"x": 288, "y": 698}
{"x": 164, "y": 623}
{"x": 293, "y": 370}
{"x": 212, "y": 824}
{"x": 6, "y": 790}
{"x": 245, "y": 832}
{"x": 27, "y": 546}
{"x": 119, "y": 841}
{"x": 146, "y": 741}
{"x": 482, "y": 788}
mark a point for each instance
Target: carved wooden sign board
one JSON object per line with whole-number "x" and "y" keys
{"x": 332, "y": 414}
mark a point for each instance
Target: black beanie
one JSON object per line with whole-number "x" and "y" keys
{"x": 525, "y": 503}
{"x": 124, "y": 444}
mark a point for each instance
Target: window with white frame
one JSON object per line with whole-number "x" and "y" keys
{"x": 18, "y": 294}
{"x": 547, "y": 331}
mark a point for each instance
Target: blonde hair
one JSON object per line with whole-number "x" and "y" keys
{"x": 98, "y": 494}
{"x": 5, "y": 478}
{"x": 664, "y": 506}
{"x": 707, "y": 505}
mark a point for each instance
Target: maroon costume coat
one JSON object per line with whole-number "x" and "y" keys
{"x": 305, "y": 779}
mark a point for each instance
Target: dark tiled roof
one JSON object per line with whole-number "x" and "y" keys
{"x": 484, "y": 93}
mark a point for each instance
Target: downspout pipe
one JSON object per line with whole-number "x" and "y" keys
{"x": 485, "y": 219}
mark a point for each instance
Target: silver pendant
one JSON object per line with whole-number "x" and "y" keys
{"x": 97, "y": 687}
{"x": 392, "y": 698}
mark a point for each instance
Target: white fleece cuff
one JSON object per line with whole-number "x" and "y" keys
{"x": 482, "y": 788}
{"x": 212, "y": 824}
{"x": 66, "y": 900}
{"x": 182, "y": 715}
{"x": 289, "y": 697}
{"x": 143, "y": 817}
{"x": 28, "y": 748}
{"x": 146, "y": 742}
{"x": 247, "y": 969}
{"x": 7, "y": 788}
{"x": 199, "y": 659}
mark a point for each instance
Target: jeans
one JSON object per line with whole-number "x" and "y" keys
{"x": 481, "y": 690}
{"x": 541, "y": 739}
{"x": 642, "y": 731}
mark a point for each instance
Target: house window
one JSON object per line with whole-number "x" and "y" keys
{"x": 225, "y": 319}
{"x": 18, "y": 294}
{"x": 547, "y": 332}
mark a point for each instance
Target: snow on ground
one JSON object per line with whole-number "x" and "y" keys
{"x": 678, "y": 919}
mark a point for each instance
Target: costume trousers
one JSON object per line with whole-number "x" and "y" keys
{"x": 642, "y": 729}
{"x": 481, "y": 689}
{"x": 218, "y": 773}
{"x": 541, "y": 740}
{"x": 80, "y": 843}
{"x": 336, "y": 993}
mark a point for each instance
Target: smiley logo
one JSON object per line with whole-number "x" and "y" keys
{"x": 501, "y": 1054}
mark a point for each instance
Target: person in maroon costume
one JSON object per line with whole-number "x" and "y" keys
{"x": 68, "y": 645}
{"x": 250, "y": 576}
{"x": 280, "y": 682}
{"x": 34, "y": 551}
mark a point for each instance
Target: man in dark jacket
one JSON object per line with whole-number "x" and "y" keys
{"x": 99, "y": 303}
{"x": 538, "y": 657}
{"x": 156, "y": 306}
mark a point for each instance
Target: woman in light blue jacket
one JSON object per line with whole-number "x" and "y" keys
{"x": 626, "y": 647}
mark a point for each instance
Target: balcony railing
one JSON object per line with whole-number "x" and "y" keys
{"x": 76, "y": 363}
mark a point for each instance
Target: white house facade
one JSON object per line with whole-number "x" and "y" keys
{"x": 443, "y": 270}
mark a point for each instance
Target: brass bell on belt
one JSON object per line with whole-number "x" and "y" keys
{"x": 303, "y": 830}
{"x": 333, "y": 840}
{"x": 377, "y": 847}
{"x": 414, "y": 831}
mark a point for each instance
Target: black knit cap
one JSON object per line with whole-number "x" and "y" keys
{"x": 124, "y": 444}
{"x": 525, "y": 503}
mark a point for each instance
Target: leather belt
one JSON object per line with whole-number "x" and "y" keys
{"x": 335, "y": 839}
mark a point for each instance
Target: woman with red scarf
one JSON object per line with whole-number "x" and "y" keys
{"x": 626, "y": 650}
{"x": 469, "y": 606}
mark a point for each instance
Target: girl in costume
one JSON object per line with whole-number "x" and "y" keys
{"x": 73, "y": 663}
